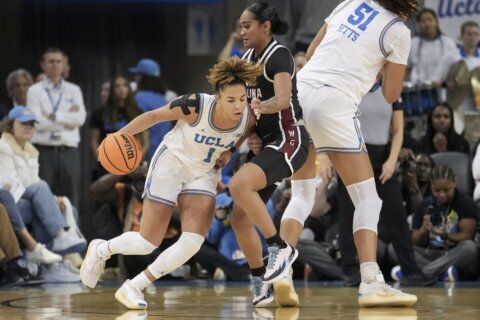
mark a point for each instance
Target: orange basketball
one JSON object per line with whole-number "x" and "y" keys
{"x": 120, "y": 153}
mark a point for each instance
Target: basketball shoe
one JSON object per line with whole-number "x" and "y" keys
{"x": 262, "y": 293}
{"x": 130, "y": 297}
{"x": 380, "y": 294}
{"x": 93, "y": 265}
{"x": 279, "y": 261}
{"x": 285, "y": 295}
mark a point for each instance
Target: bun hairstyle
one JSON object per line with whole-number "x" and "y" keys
{"x": 262, "y": 12}
{"x": 233, "y": 71}
{"x": 405, "y": 8}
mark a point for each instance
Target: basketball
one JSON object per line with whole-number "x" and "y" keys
{"x": 120, "y": 153}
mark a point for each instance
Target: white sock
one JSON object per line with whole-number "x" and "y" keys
{"x": 177, "y": 254}
{"x": 128, "y": 243}
{"x": 369, "y": 271}
{"x": 140, "y": 281}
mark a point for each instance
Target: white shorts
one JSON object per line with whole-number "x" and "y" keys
{"x": 331, "y": 118}
{"x": 169, "y": 178}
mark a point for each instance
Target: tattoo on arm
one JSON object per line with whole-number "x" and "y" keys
{"x": 270, "y": 104}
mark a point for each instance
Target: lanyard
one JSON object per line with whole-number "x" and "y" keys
{"x": 57, "y": 104}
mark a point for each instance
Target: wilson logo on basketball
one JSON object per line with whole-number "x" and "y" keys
{"x": 128, "y": 147}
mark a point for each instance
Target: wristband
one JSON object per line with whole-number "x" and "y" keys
{"x": 232, "y": 149}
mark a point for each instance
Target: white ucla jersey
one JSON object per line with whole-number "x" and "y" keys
{"x": 200, "y": 144}
{"x": 361, "y": 36}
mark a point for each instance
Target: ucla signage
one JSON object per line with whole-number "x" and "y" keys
{"x": 452, "y": 13}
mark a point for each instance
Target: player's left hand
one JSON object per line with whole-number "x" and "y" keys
{"x": 223, "y": 159}
{"x": 388, "y": 169}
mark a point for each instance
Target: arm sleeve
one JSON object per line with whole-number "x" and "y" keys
{"x": 397, "y": 43}
{"x": 76, "y": 118}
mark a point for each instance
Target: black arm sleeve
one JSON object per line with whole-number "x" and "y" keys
{"x": 184, "y": 102}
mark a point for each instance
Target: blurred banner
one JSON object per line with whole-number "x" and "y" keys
{"x": 204, "y": 30}
{"x": 452, "y": 13}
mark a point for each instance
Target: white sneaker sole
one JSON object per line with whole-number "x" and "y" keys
{"x": 284, "y": 273}
{"x": 120, "y": 296}
{"x": 285, "y": 295}
{"x": 86, "y": 276}
{"x": 390, "y": 300}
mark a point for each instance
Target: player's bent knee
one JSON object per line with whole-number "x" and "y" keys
{"x": 367, "y": 214}
{"x": 141, "y": 245}
{"x": 303, "y": 199}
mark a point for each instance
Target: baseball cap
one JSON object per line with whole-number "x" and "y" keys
{"x": 148, "y": 67}
{"x": 22, "y": 114}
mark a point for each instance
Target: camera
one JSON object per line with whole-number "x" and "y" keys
{"x": 406, "y": 165}
{"x": 436, "y": 212}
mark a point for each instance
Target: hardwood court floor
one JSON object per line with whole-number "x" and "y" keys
{"x": 206, "y": 300}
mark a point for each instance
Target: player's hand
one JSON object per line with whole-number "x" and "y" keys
{"x": 223, "y": 159}
{"x": 256, "y": 105}
{"x": 255, "y": 143}
{"x": 325, "y": 168}
{"x": 388, "y": 169}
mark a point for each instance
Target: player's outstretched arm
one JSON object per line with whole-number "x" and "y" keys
{"x": 182, "y": 108}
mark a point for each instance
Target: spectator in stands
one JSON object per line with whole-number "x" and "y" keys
{"x": 11, "y": 273}
{"x": 470, "y": 53}
{"x": 415, "y": 177}
{"x": 59, "y": 109}
{"x": 37, "y": 205}
{"x": 119, "y": 109}
{"x": 428, "y": 48}
{"x": 151, "y": 94}
{"x": 234, "y": 46}
{"x": 35, "y": 252}
{"x": 300, "y": 60}
{"x": 382, "y": 131}
{"x": 444, "y": 227}
{"x": 476, "y": 174}
{"x": 440, "y": 135}
{"x": 18, "y": 82}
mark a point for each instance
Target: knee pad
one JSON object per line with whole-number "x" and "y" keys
{"x": 303, "y": 198}
{"x": 138, "y": 245}
{"x": 177, "y": 254}
{"x": 367, "y": 205}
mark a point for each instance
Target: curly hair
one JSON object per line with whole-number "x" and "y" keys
{"x": 233, "y": 71}
{"x": 404, "y": 8}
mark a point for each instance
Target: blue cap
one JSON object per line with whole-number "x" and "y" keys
{"x": 148, "y": 67}
{"x": 22, "y": 114}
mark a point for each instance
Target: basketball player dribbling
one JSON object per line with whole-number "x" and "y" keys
{"x": 360, "y": 40}
{"x": 285, "y": 147}
{"x": 182, "y": 170}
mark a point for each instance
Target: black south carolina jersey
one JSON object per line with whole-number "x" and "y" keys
{"x": 276, "y": 59}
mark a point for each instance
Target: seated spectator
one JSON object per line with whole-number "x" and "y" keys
{"x": 119, "y": 109}
{"x": 35, "y": 252}
{"x": 300, "y": 60}
{"x": 11, "y": 273}
{"x": 38, "y": 206}
{"x": 476, "y": 174}
{"x": 440, "y": 135}
{"x": 444, "y": 227}
{"x": 415, "y": 177}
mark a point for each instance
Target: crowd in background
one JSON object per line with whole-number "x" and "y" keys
{"x": 429, "y": 183}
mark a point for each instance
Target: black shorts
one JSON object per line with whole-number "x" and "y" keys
{"x": 283, "y": 162}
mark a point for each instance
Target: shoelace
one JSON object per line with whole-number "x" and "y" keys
{"x": 257, "y": 287}
{"x": 272, "y": 257}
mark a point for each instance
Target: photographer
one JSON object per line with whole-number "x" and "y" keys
{"x": 415, "y": 177}
{"x": 444, "y": 227}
